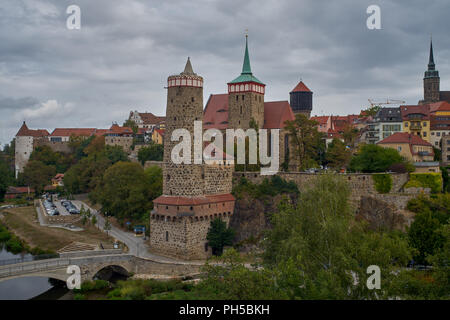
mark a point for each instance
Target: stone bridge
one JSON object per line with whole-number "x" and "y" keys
{"x": 91, "y": 263}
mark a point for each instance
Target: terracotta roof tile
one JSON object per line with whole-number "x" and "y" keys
{"x": 191, "y": 201}
{"x": 404, "y": 137}
{"x": 301, "y": 87}
{"x": 67, "y": 132}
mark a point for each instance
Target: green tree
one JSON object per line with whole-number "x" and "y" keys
{"x": 373, "y": 158}
{"x": 337, "y": 154}
{"x": 94, "y": 220}
{"x": 37, "y": 175}
{"x": 124, "y": 191}
{"x": 6, "y": 178}
{"x": 61, "y": 161}
{"x": 423, "y": 235}
{"x": 318, "y": 248}
{"x": 154, "y": 152}
{"x": 219, "y": 236}
{"x": 107, "y": 226}
{"x": 131, "y": 124}
{"x": 306, "y": 140}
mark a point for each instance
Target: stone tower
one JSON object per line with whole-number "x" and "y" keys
{"x": 184, "y": 106}
{"x": 193, "y": 194}
{"x": 245, "y": 97}
{"x": 301, "y": 99}
{"x": 431, "y": 80}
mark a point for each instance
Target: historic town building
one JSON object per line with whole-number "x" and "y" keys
{"x": 25, "y": 142}
{"x": 193, "y": 194}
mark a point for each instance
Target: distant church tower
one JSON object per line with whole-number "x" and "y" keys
{"x": 431, "y": 80}
{"x": 245, "y": 97}
{"x": 301, "y": 99}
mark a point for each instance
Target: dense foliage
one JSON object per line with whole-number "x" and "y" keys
{"x": 337, "y": 155}
{"x": 219, "y": 236}
{"x": 154, "y": 152}
{"x": 269, "y": 187}
{"x": 383, "y": 182}
{"x": 307, "y": 141}
{"x": 125, "y": 191}
{"x": 425, "y": 233}
{"x": 373, "y": 158}
{"x": 430, "y": 180}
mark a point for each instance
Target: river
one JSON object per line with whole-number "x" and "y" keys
{"x": 29, "y": 287}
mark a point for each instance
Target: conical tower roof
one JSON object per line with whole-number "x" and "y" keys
{"x": 188, "y": 68}
{"x": 23, "y": 131}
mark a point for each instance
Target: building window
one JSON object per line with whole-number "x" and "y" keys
{"x": 424, "y": 134}
{"x": 424, "y": 124}
{"x": 192, "y": 99}
{"x": 438, "y": 134}
{"x": 399, "y": 149}
{"x": 237, "y": 97}
{"x": 192, "y": 208}
{"x": 406, "y": 124}
{"x": 206, "y": 247}
{"x": 167, "y": 235}
{"x": 243, "y": 97}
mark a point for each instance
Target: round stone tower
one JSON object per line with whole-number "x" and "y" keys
{"x": 193, "y": 194}
{"x": 184, "y": 106}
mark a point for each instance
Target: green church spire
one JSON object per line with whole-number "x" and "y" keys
{"x": 246, "y": 75}
{"x": 246, "y": 69}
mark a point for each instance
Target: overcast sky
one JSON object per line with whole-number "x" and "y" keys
{"x": 120, "y": 59}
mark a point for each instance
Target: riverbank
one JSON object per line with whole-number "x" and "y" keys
{"x": 24, "y": 224}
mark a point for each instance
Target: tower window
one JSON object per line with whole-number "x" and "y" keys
{"x": 237, "y": 98}
{"x": 192, "y": 99}
{"x": 243, "y": 97}
{"x": 167, "y": 235}
{"x": 241, "y": 109}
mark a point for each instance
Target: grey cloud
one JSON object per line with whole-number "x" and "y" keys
{"x": 125, "y": 50}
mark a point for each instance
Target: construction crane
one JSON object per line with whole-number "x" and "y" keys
{"x": 388, "y": 101}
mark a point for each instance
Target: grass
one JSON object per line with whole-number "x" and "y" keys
{"x": 24, "y": 223}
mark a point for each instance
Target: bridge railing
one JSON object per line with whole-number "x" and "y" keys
{"x": 28, "y": 259}
{"x": 30, "y": 267}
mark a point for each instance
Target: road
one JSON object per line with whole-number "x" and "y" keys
{"x": 136, "y": 245}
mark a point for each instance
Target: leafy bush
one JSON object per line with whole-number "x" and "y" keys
{"x": 79, "y": 296}
{"x": 93, "y": 285}
{"x": 430, "y": 180}
{"x": 373, "y": 158}
{"x": 383, "y": 182}
{"x": 276, "y": 185}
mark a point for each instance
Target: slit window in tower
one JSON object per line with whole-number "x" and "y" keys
{"x": 167, "y": 235}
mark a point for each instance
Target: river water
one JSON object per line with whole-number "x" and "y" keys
{"x": 29, "y": 287}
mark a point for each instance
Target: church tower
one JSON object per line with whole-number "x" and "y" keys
{"x": 245, "y": 97}
{"x": 431, "y": 80}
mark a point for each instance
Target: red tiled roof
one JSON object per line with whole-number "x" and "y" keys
{"x": 439, "y": 106}
{"x": 18, "y": 190}
{"x": 404, "y": 137}
{"x": 67, "y": 132}
{"x": 116, "y": 129}
{"x": 412, "y": 109}
{"x": 301, "y": 87}
{"x": 276, "y": 113}
{"x": 150, "y": 118}
{"x": 216, "y": 113}
{"x": 187, "y": 201}
{"x": 25, "y": 132}
{"x": 160, "y": 131}
{"x": 59, "y": 176}
{"x": 321, "y": 119}
{"x": 101, "y": 132}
